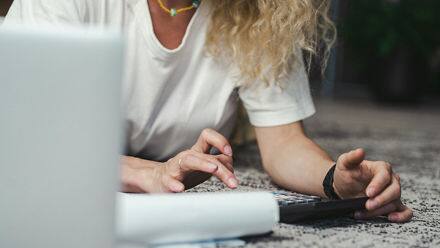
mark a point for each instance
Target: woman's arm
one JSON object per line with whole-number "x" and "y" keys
{"x": 297, "y": 163}
{"x": 292, "y": 160}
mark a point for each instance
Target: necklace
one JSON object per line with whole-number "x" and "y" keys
{"x": 174, "y": 12}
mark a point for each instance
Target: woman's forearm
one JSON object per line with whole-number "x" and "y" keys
{"x": 300, "y": 166}
{"x": 295, "y": 162}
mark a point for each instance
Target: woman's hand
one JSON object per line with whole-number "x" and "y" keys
{"x": 180, "y": 172}
{"x": 356, "y": 177}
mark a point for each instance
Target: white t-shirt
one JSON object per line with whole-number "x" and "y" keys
{"x": 172, "y": 95}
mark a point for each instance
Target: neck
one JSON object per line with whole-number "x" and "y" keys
{"x": 177, "y": 3}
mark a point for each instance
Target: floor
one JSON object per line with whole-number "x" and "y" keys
{"x": 361, "y": 112}
{"x": 409, "y": 138}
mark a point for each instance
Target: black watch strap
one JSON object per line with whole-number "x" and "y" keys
{"x": 327, "y": 184}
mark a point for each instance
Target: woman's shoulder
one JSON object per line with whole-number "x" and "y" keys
{"x": 67, "y": 11}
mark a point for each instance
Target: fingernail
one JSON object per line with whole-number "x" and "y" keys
{"x": 233, "y": 182}
{"x": 228, "y": 150}
{"x": 212, "y": 167}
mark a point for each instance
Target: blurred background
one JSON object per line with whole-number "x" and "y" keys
{"x": 388, "y": 50}
{"x": 384, "y": 73}
{"x": 385, "y": 67}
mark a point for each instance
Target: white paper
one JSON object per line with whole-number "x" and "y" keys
{"x": 173, "y": 218}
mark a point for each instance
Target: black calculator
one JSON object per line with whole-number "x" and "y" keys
{"x": 295, "y": 207}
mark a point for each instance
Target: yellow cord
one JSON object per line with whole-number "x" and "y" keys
{"x": 170, "y": 11}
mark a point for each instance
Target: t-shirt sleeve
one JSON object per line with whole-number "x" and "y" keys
{"x": 275, "y": 105}
{"x": 53, "y": 12}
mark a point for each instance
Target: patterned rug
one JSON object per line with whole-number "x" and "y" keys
{"x": 415, "y": 156}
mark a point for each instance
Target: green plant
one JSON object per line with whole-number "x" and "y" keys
{"x": 378, "y": 31}
{"x": 376, "y": 28}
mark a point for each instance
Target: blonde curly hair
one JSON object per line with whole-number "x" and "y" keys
{"x": 266, "y": 38}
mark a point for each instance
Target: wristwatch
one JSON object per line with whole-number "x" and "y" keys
{"x": 327, "y": 184}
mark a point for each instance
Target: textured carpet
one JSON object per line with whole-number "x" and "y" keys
{"x": 415, "y": 156}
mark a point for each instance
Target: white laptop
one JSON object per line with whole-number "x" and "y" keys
{"x": 59, "y": 136}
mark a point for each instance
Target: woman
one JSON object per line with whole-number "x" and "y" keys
{"x": 188, "y": 62}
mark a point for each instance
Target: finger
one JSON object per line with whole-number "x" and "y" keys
{"x": 391, "y": 193}
{"x": 210, "y": 137}
{"x": 403, "y": 214}
{"x": 352, "y": 159}
{"x": 206, "y": 163}
{"x": 377, "y": 212}
{"x": 194, "y": 163}
{"x": 226, "y": 176}
{"x": 172, "y": 185}
{"x": 382, "y": 177}
{"x": 223, "y": 173}
{"x": 226, "y": 161}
